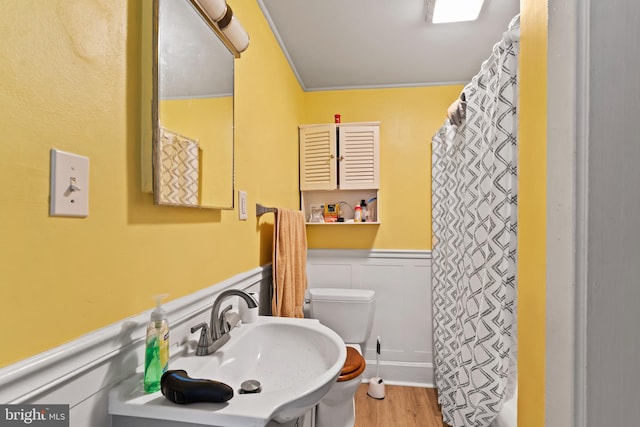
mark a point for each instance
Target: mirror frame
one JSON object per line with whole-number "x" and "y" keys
{"x": 150, "y": 97}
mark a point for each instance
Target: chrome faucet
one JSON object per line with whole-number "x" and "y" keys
{"x": 216, "y": 334}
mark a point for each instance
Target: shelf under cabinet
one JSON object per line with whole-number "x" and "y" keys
{"x": 350, "y": 197}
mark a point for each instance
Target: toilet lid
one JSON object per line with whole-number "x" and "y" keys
{"x": 353, "y": 366}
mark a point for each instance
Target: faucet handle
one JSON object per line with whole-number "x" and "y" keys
{"x": 202, "y": 326}
{"x": 205, "y": 339}
{"x": 231, "y": 319}
{"x": 224, "y": 326}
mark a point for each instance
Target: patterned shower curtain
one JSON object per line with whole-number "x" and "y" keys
{"x": 474, "y": 211}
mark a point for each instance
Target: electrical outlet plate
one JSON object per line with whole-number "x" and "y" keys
{"x": 69, "y": 192}
{"x": 242, "y": 205}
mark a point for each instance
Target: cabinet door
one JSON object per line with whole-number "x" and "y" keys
{"x": 359, "y": 165}
{"x": 318, "y": 158}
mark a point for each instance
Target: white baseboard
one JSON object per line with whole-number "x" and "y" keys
{"x": 402, "y": 373}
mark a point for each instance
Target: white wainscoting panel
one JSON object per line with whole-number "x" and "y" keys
{"x": 402, "y": 282}
{"x": 82, "y": 372}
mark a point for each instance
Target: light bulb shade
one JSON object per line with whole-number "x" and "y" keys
{"x": 237, "y": 35}
{"x": 214, "y": 8}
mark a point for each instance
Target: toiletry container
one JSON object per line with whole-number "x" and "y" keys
{"x": 370, "y": 215}
{"x": 365, "y": 213}
{"x": 156, "y": 357}
{"x": 357, "y": 215}
{"x": 348, "y": 312}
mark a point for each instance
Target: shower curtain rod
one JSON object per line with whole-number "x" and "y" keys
{"x": 458, "y": 108}
{"x": 511, "y": 35}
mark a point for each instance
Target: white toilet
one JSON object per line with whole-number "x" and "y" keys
{"x": 349, "y": 312}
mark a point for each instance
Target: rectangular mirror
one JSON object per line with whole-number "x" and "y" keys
{"x": 188, "y": 157}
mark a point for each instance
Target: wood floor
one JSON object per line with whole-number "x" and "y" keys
{"x": 401, "y": 407}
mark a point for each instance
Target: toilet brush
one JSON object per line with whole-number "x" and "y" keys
{"x": 376, "y": 384}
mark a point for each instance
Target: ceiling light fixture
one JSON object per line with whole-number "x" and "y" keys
{"x": 445, "y": 11}
{"x": 220, "y": 18}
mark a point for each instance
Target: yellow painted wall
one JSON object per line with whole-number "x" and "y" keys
{"x": 409, "y": 117}
{"x": 532, "y": 211}
{"x": 70, "y": 79}
{"x": 210, "y": 122}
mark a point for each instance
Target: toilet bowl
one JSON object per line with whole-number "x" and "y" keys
{"x": 349, "y": 312}
{"x": 337, "y": 407}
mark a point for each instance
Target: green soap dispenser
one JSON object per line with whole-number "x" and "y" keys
{"x": 156, "y": 356}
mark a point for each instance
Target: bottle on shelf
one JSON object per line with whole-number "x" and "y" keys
{"x": 357, "y": 215}
{"x": 365, "y": 213}
{"x": 371, "y": 210}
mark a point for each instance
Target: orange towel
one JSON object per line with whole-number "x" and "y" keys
{"x": 289, "y": 263}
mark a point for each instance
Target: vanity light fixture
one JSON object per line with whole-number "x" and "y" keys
{"x": 219, "y": 16}
{"x": 214, "y": 8}
{"x": 445, "y": 11}
{"x": 234, "y": 31}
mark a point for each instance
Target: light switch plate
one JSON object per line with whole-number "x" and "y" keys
{"x": 242, "y": 205}
{"x": 69, "y": 192}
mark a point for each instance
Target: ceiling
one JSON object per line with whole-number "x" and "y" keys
{"x": 340, "y": 44}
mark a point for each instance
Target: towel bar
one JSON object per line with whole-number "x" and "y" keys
{"x": 263, "y": 210}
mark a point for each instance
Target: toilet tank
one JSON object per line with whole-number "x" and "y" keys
{"x": 348, "y": 312}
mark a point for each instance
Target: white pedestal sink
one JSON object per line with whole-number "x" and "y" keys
{"x": 296, "y": 361}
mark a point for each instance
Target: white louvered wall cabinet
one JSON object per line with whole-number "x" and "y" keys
{"x": 340, "y": 164}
